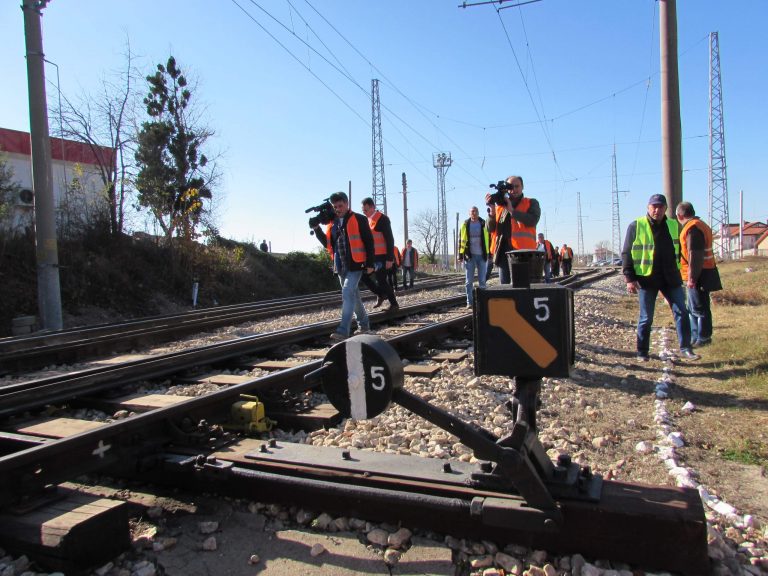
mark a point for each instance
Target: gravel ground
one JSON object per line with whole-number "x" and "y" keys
{"x": 620, "y": 417}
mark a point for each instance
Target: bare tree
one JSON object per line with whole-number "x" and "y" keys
{"x": 427, "y": 233}
{"x": 108, "y": 121}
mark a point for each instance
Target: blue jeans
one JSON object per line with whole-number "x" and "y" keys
{"x": 700, "y": 315}
{"x": 407, "y": 273}
{"x": 351, "y": 302}
{"x": 548, "y": 272}
{"x": 505, "y": 276}
{"x": 475, "y": 261}
{"x": 676, "y": 298}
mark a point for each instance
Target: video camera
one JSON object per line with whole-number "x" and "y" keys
{"x": 503, "y": 188}
{"x": 325, "y": 213}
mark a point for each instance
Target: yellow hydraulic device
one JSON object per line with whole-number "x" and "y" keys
{"x": 248, "y": 416}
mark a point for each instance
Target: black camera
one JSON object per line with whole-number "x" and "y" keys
{"x": 325, "y": 213}
{"x": 503, "y": 188}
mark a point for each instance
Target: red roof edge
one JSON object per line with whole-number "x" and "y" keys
{"x": 17, "y": 142}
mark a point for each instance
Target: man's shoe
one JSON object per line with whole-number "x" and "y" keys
{"x": 689, "y": 355}
{"x": 468, "y": 306}
{"x": 642, "y": 357}
{"x": 379, "y": 301}
{"x": 363, "y": 329}
{"x": 393, "y": 307}
{"x": 337, "y": 337}
{"x": 702, "y": 342}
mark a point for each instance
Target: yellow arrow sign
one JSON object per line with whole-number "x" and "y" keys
{"x": 503, "y": 314}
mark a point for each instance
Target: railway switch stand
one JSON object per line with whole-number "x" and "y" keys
{"x": 364, "y": 374}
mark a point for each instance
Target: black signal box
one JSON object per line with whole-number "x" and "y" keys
{"x": 527, "y": 332}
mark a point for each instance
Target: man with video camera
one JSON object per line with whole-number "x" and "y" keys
{"x": 512, "y": 221}
{"x": 349, "y": 241}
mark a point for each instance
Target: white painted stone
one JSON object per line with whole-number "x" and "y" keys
{"x": 316, "y": 550}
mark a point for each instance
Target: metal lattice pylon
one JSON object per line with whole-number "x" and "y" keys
{"x": 718, "y": 178}
{"x": 580, "y": 254}
{"x": 442, "y": 161}
{"x": 379, "y": 189}
{"x": 616, "y": 220}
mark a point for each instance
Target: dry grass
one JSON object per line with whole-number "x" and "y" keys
{"x": 729, "y": 384}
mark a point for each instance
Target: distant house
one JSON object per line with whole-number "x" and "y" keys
{"x": 71, "y": 162}
{"x": 753, "y": 233}
{"x": 761, "y": 244}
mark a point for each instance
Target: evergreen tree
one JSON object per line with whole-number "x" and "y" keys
{"x": 172, "y": 182}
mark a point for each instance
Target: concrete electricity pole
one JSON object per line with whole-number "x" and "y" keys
{"x": 48, "y": 286}
{"x": 405, "y": 211}
{"x": 671, "y": 155}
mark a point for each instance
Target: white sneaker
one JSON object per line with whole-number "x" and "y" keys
{"x": 337, "y": 337}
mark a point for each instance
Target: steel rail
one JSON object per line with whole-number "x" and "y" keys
{"x": 35, "y": 394}
{"x": 56, "y": 460}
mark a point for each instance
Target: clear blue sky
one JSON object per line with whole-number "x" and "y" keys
{"x": 544, "y": 91}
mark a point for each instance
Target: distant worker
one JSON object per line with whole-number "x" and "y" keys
{"x": 555, "y": 261}
{"x": 651, "y": 264}
{"x": 698, "y": 270}
{"x": 263, "y": 246}
{"x": 410, "y": 263}
{"x": 384, "y": 257}
{"x": 473, "y": 250}
{"x": 512, "y": 225}
{"x": 545, "y": 246}
{"x": 566, "y": 256}
{"x": 392, "y": 272}
{"x": 349, "y": 241}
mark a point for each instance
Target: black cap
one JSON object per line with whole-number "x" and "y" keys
{"x": 658, "y": 199}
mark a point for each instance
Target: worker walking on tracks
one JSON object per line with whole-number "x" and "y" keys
{"x": 349, "y": 241}
{"x": 473, "y": 250}
{"x": 512, "y": 225}
{"x": 566, "y": 257}
{"x": 384, "y": 255}
{"x": 545, "y": 246}
{"x": 651, "y": 264}
{"x": 410, "y": 263}
{"x": 698, "y": 270}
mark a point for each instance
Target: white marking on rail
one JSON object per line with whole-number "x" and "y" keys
{"x": 102, "y": 449}
{"x": 356, "y": 380}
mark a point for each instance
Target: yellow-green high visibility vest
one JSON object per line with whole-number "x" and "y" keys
{"x": 643, "y": 246}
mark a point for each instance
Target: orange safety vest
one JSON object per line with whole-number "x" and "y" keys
{"x": 356, "y": 246}
{"x": 564, "y": 251}
{"x": 379, "y": 243}
{"x": 523, "y": 237}
{"x": 709, "y": 257}
{"x": 398, "y": 258}
{"x": 549, "y": 250}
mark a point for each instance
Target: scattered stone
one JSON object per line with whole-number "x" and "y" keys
{"x": 510, "y": 564}
{"x": 207, "y": 527}
{"x": 479, "y": 562}
{"x": 254, "y": 559}
{"x": 210, "y": 544}
{"x": 378, "y": 536}
{"x": 397, "y": 539}
{"x": 316, "y": 550}
{"x": 392, "y": 556}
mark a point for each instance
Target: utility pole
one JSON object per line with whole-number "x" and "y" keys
{"x": 442, "y": 161}
{"x": 580, "y": 232}
{"x": 46, "y": 247}
{"x": 718, "y": 178}
{"x": 379, "y": 191}
{"x": 405, "y": 211}
{"x": 671, "y": 155}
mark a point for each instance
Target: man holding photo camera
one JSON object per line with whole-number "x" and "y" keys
{"x": 512, "y": 221}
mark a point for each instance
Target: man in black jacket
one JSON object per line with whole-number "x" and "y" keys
{"x": 651, "y": 264}
{"x": 349, "y": 241}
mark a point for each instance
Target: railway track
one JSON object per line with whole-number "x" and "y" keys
{"x": 185, "y": 444}
{"x": 67, "y": 346}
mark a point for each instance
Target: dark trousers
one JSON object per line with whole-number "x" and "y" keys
{"x": 566, "y": 266}
{"x": 392, "y": 277}
{"x": 377, "y": 283}
{"x": 407, "y": 272}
